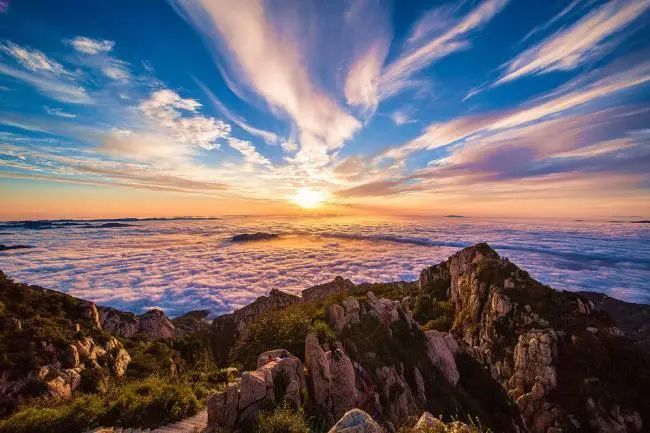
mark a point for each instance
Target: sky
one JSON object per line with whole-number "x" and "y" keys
{"x": 222, "y": 107}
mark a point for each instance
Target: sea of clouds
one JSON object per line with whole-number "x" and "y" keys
{"x": 182, "y": 265}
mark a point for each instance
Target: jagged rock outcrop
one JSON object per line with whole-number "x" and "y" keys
{"x": 532, "y": 338}
{"x": 441, "y": 349}
{"x": 49, "y": 339}
{"x": 319, "y": 376}
{"x": 62, "y": 378}
{"x": 632, "y": 319}
{"x": 321, "y": 291}
{"x": 388, "y": 311}
{"x": 154, "y": 324}
{"x": 331, "y": 377}
{"x": 399, "y": 401}
{"x": 271, "y": 355}
{"x": 90, "y": 312}
{"x": 342, "y": 316}
{"x": 279, "y": 379}
{"x": 356, "y": 421}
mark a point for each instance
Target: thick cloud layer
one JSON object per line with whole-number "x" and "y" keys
{"x": 184, "y": 265}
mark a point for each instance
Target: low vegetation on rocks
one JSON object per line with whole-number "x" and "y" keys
{"x": 142, "y": 403}
{"x": 282, "y": 420}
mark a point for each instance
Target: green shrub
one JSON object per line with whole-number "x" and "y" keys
{"x": 285, "y": 329}
{"x": 282, "y": 420}
{"x": 150, "y": 403}
{"x": 147, "y": 403}
{"x": 94, "y": 380}
{"x": 77, "y": 415}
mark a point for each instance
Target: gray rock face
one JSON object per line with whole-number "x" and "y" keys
{"x": 282, "y": 378}
{"x": 62, "y": 380}
{"x": 156, "y": 325}
{"x": 272, "y": 355}
{"x": 92, "y": 313}
{"x": 428, "y": 423}
{"x": 421, "y": 394}
{"x": 398, "y": 399}
{"x": 60, "y": 383}
{"x": 343, "y": 316}
{"x": 71, "y": 356}
{"x": 388, "y": 311}
{"x": 343, "y": 391}
{"x": 336, "y": 317}
{"x": 356, "y": 421}
{"x": 318, "y": 371}
{"x": 331, "y": 378}
{"x": 442, "y": 356}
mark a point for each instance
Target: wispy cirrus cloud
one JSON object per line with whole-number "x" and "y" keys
{"x": 583, "y": 90}
{"x": 589, "y": 38}
{"x": 50, "y": 77}
{"x": 59, "y": 112}
{"x": 432, "y": 39}
{"x": 97, "y": 55}
{"x": 268, "y": 136}
{"x": 368, "y": 33}
{"x": 91, "y": 46}
{"x": 267, "y": 59}
{"x": 34, "y": 60}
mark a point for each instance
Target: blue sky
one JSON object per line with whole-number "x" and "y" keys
{"x": 489, "y": 107}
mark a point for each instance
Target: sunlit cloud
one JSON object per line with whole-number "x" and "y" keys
{"x": 34, "y": 60}
{"x": 267, "y": 59}
{"x": 572, "y": 95}
{"x": 40, "y": 71}
{"x": 91, "y": 46}
{"x": 165, "y": 107}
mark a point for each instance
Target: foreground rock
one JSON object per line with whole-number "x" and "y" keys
{"x": 331, "y": 378}
{"x": 356, "y": 421}
{"x": 280, "y": 379}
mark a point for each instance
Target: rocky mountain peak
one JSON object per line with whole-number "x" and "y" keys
{"x": 320, "y": 291}
{"x": 545, "y": 348}
{"x": 154, "y": 324}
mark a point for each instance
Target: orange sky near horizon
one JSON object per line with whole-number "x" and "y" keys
{"x": 47, "y": 200}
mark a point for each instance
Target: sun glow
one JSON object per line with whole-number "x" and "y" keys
{"x": 308, "y": 198}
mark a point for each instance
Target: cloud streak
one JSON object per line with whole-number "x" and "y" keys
{"x": 268, "y": 60}
{"x": 585, "y": 40}
{"x": 445, "y": 40}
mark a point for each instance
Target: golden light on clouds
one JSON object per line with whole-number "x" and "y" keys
{"x": 309, "y": 198}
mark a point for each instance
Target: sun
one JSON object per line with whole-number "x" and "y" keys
{"x": 308, "y": 198}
